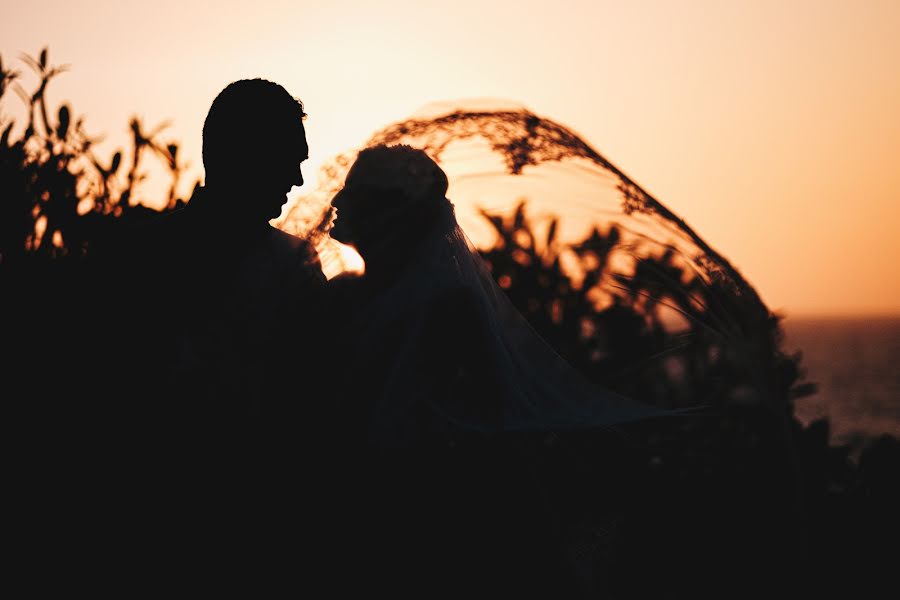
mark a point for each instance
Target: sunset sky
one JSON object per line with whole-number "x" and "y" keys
{"x": 772, "y": 127}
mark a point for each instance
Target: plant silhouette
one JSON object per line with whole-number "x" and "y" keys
{"x": 58, "y": 195}
{"x": 713, "y": 491}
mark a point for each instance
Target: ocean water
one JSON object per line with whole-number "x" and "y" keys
{"x": 856, "y": 364}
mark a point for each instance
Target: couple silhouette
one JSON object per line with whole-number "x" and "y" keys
{"x": 261, "y": 427}
{"x": 220, "y": 418}
{"x": 237, "y": 317}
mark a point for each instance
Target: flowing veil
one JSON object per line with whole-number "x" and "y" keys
{"x": 536, "y": 389}
{"x": 621, "y": 288}
{"x": 638, "y": 303}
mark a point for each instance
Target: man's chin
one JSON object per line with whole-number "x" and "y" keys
{"x": 275, "y": 211}
{"x": 337, "y": 232}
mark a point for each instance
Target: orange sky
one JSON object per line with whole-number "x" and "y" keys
{"x": 773, "y": 128}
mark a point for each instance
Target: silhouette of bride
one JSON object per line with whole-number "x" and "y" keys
{"x": 438, "y": 377}
{"x": 432, "y": 348}
{"x": 624, "y": 289}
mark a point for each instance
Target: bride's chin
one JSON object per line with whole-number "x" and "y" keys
{"x": 338, "y": 232}
{"x": 339, "y": 236}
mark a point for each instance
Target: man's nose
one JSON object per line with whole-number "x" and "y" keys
{"x": 299, "y": 180}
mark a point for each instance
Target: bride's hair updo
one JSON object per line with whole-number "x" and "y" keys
{"x": 404, "y": 185}
{"x": 403, "y": 169}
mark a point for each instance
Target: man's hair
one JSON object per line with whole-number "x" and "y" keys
{"x": 249, "y": 120}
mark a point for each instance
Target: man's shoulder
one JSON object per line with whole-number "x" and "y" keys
{"x": 294, "y": 252}
{"x": 287, "y": 242}
{"x": 131, "y": 238}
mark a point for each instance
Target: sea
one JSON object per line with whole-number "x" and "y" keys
{"x": 855, "y": 361}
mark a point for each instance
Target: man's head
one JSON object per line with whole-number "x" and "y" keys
{"x": 253, "y": 144}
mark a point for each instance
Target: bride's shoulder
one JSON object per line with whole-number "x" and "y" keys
{"x": 453, "y": 297}
{"x": 451, "y": 309}
{"x": 343, "y": 286}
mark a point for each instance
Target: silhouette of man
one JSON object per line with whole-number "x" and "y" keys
{"x": 221, "y": 305}
{"x": 246, "y": 285}
{"x": 217, "y": 353}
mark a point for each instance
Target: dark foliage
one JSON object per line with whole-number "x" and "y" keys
{"x": 58, "y": 197}
{"x": 740, "y": 491}
{"x": 742, "y": 488}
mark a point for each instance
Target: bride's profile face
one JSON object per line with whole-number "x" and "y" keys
{"x": 387, "y": 193}
{"x": 363, "y": 208}
{"x": 344, "y": 203}
{"x": 350, "y": 206}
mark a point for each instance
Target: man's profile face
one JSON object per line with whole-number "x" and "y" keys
{"x": 279, "y": 173}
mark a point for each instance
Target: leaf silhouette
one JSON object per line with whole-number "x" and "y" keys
{"x": 63, "y": 129}
{"x": 551, "y": 232}
{"x": 519, "y": 218}
{"x": 4, "y": 140}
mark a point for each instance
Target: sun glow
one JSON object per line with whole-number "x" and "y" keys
{"x": 771, "y": 127}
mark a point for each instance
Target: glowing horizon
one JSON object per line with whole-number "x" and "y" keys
{"x": 772, "y": 128}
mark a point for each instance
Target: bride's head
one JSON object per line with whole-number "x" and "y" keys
{"x": 392, "y": 197}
